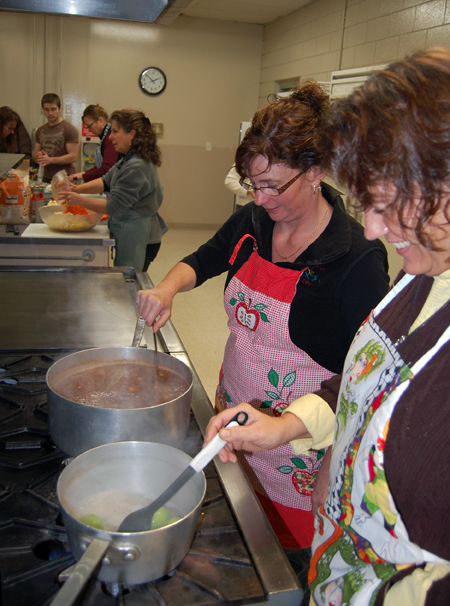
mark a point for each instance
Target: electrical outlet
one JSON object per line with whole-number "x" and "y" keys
{"x": 208, "y": 146}
{"x": 68, "y": 109}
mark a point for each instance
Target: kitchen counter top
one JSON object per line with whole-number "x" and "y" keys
{"x": 39, "y": 233}
{"x": 70, "y": 309}
{"x": 36, "y": 232}
{"x": 37, "y": 244}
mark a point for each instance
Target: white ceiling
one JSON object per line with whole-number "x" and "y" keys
{"x": 244, "y": 11}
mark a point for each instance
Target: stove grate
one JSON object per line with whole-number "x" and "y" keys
{"x": 34, "y": 548}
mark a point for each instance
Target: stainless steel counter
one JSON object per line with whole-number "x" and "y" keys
{"x": 36, "y": 244}
{"x": 65, "y": 309}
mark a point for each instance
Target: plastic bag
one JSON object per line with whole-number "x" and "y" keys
{"x": 15, "y": 195}
{"x": 60, "y": 183}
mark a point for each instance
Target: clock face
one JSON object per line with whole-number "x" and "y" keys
{"x": 152, "y": 81}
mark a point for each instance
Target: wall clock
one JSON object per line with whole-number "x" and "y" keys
{"x": 152, "y": 80}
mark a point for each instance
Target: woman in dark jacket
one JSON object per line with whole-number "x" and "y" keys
{"x": 301, "y": 278}
{"x": 96, "y": 120}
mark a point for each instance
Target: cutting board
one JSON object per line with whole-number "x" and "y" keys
{"x": 40, "y": 230}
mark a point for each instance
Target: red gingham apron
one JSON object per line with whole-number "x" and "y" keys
{"x": 262, "y": 366}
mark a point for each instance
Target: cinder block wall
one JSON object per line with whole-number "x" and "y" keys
{"x": 328, "y": 35}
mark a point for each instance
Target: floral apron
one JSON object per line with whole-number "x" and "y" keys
{"x": 264, "y": 367}
{"x": 360, "y": 540}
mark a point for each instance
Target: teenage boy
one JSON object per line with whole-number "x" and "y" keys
{"x": 56, "y": 144}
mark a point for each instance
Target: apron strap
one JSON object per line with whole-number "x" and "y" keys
{"x": 237, "y": 248}
{"x": 393, "y": 293}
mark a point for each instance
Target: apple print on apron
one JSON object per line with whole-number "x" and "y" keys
{"x": 264, "y": 367}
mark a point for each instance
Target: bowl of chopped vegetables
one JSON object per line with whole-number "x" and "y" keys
{"x": 69, "y": 217}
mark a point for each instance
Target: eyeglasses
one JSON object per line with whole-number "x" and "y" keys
{"x": 269, "y": 191}
{"x": 89, "y": 125}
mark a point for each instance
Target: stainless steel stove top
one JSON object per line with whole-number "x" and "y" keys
{"x": 234, "y": 558}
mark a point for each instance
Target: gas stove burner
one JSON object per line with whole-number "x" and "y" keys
{"x": 116, "y": 590}
{"x": 25, "y": 375}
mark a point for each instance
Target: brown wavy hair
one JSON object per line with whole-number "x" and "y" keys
{"x": 286, "y": 130}
{"x": 396, "y": 129}
{"x": 144, "y": 142}
{"x": 95, "y": 111}
{"x": 8, "y": 115}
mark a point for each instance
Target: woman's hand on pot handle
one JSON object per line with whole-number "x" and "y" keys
{"x": 155, "y": 304}
{"x": 261, "y": 432}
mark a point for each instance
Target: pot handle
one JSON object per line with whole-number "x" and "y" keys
{"x": 83, "y": 569}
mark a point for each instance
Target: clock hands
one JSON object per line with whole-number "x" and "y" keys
{"x": 158, "y": 79}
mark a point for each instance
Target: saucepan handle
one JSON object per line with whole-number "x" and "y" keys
{"x": 79, "y": 576}
{"x": 138, "y": 331}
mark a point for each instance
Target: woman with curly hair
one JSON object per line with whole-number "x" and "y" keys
{"x": 133, "y": 191}
{"x": 300, "y": 279}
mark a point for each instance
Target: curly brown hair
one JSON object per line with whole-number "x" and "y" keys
{"x": 8, "y": 115}
{"x": 395, "y": 129}
{"x": 286, "y": 130}
{"x": 144, "y": 141}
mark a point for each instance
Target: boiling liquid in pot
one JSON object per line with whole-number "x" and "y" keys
{"x": 120, "y": 384}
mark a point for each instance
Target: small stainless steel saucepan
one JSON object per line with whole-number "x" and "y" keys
{"x": 113, "y": 479}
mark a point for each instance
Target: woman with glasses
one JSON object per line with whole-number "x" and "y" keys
{"x": 96, "y": 120}
{"x": 382, "y": 533}
{"x": 133, "y": 190}
{"x": 300, "y": 280}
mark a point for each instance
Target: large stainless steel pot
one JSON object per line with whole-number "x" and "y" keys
{"x": 122, "y": 477}
{"x": 76, "y": 427}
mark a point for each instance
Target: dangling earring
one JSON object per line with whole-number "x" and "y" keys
{"x": 314, "y": 189}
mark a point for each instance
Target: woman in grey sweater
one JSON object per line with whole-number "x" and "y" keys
{"x": 133, "y": 191}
